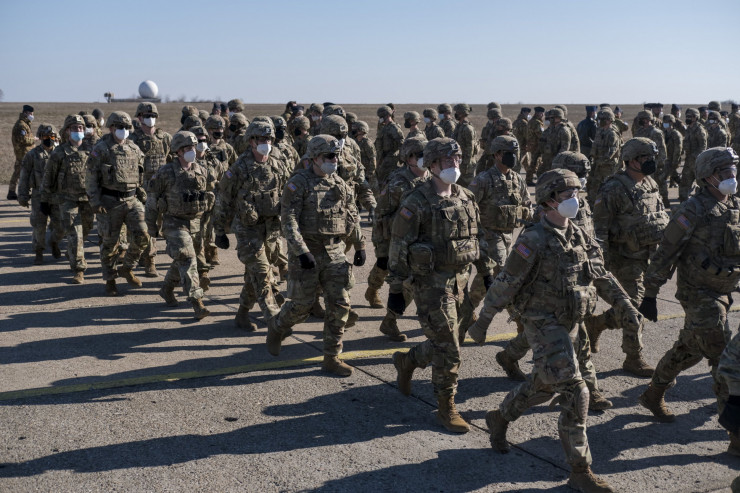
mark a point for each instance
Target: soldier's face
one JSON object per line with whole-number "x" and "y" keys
{"x": 77, "y": 127}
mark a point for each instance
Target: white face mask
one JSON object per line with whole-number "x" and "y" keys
{"x": 660, "y": 115}
{"x": 450, "y": 175}
{"x": 189, "y": 156}
{"x": 712, "y": 122}
{"x": 678, "y": 115}
{"x": 201, "y": 146}
{"x": 427, "y": 120}
{"x": 568, "y": 208}
{"x": 264, "y": 149}
{"x": 89, "y": 130}
{"x": 149, "y": 122}
{"x": 666, "y": 125}
{"x": 547, "y": 123}
{"x": 341, "y": 144}
{"x": 231, "y": 113}
{"x": 529, "y": 117}
{"x": 122, "y": 133}
{"x": 30, "y": 118}
{"x": 728, "y": 187}
{"x": 381, "y": 119}
{"x": 315, "y": 118}
{"x": 329, "y": 167}
{"x": 583, "y": 182}
{"x": 420, "y": 163}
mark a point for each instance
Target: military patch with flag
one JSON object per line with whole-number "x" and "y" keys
{"x": 683, "y": 222}
{"x": 406, "y": 214}
{"x": 523, "y": 250}
{"x": 292, "y": 187}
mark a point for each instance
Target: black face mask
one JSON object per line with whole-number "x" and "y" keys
{"x": 233, "y": 128}
{"x": 407, "y": 124}
{"x": 182, "y": 119}
{"x": 297, "y": 132}
{"x": 648, "y": 167}
{"x": 279, "y": 134}
{"x": 48, "y": 142}
{"x": 509, "y": 159}
{"x": 218, "y": 135}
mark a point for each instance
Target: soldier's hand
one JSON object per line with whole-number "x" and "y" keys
{"x": 730, "y": 417}
{"x": 649, "y": 308}
{"x": 396, "y": 303}
{"x": 360, "y": 258}
{"x": 23, "y": 203}
{"x": 222, "y": 241}
{"x": 153, "y": 232}
{"x": 382, "y": 263}
{"x": 45, "y": 208}
{"x": 488, "y": 281}
{"x": 307, "y": 260}
{"x": 100, "y": 210}
{"x": 478, "y": 333}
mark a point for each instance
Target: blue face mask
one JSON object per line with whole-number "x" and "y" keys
{"x": 77, "y": 136}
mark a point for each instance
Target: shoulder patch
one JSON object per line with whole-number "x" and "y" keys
{"x": 229, "y": 174}
{"x": 523, "y": 250}
{"x": 94, "y": 153}
{"x": 406, "y": 214}
{"x": 292, "y": 187}
{"x": 683, "y": 222}
{"x": 385, "y": 190}
{"x": 23, "y": 132}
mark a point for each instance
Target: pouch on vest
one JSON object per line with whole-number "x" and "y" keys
{"x": 582, "y": 301}
{"x": 421, "y": 259}
{"x": 462, "y": 252}
{"x": 247, "y": 213}
{"x": 267, "y": 203}
{"x": 332, "y": 221}
{"x": 732, "y": 240}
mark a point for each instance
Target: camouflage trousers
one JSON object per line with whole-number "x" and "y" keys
{"x": 688, "y": 175}
{"x": 729, "y": 370}
{"x": 534, "y": 157}
{"x": 183, "y": 270}
{"x": 16, "y": 174}
{"x": 77, "y": 221}
{"x": 705, "y": 334}
{"x": 150, "y": 252}
{"x": 499, "y": 246}
{"x": 443, "y": 306}
{"x": 130, "y": 212}
{"x": 274, "y": 244}
{"x": 39, "y": 222}
{"x": 251, "y": 246}
{"x": 555, "y": 372}
{"x": 467, "y": 172}
{"x": 333, "y": 274}
{"x": 376, "y": 278}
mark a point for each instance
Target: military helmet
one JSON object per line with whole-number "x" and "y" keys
{"x": 119, "y": 118}
{"x": 350, "y": 117}
{"x": 555, "y": 181}
{"x": 645, "y": 115}
{"x": 444, "y": 108}
{"x": 191, "y": 121}
{"x": 260, "y": 128}
{"x": 412, "y": 116}
{"x": 574, "y": 161}
{"x": 183, "y": 139}
{"x": 439, "y": 148}
{"x": 235, "y": 105}
{"x": 692, "y": 112}
{"x": 605, "y": 114}
{"x": 98, "y": 113}
{"x": 264, "y": 119}
{"x": 146, "y": 107}
{"x": 279, "y": 122}
{"x": 669, "y": 118}
{"x": 504, "y": 123}
{"x": 72, "y": 120}
{"x": 239, "y": 120}
{"x": 360, "y": 126}
{"x": 714, "y": 115}
{"x": 713, "y": 158}
{"x": 203, "y": 115}
{"x": 494, "y": 114}
{"x": 334, "y": 109}
{"x": 412, "y": 146}
{"x": 505, "y": 143}
{"x": 334, "y": 125}
{"x": 90, "y": 121}
{"x": 493, "y": 105}
{"x": 556, "y": 113}
{"x": 302, "y": 122}
{"x": 430, "y": 113}
{"x": 322, "y": 144}
{"x": 714, "y": 106}
{"x": 189, "y": 110}
{"x": 46, "y": 129}
{"x": 564, "y": 108}
{"x": 199, "y": 130}
{"x": 215, "y": 121}
{"x": 316, "y": 108}
{"x": 638, "y": 146}
{"x": 384, "y": 111}
{"x": 463, "y": 108}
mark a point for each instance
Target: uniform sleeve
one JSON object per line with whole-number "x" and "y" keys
{"x": 362, "y": 189}
{"x": 608, "y": 205}
{"x": 729, "y": 365}
{"x": 356, "y": 238}
{"x": 51, "y": 172}
{"x": 27, "y": 175}
{"x": 225, "y": 207}
{"x": 155, "y": 194}
{"x": 565, "y": 137}
{"x": 290, "y": 213}
{"x": 604, "y": 281}
{"x": 93, "y": 178}
{"x": 404, "y": 233}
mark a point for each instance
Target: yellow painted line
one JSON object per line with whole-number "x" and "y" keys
{"x": 215, "y": 372}
{"x": 12, "y": 221}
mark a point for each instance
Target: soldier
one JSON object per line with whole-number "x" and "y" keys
{"x": 98, "y": 114}
{"x": 587, "y": 130}
{"x": 301, "y": 135}
{"x": 434, "y": 241}
{"x": 315, "y": 111}
{"x": 716, "y": 106}
{"x": 291, "y": 155}
{"x": 716, "y": 135}
{"x": 387, "y": 144}
{"x": 64, "y": 185}
{"x": 702, "y": 242}
{"x": 520, "y": 126}
{"x": 694, "y": 143}
{"x": 674, "y": 149}
{"x": 604, "y": 153}
{"x": 237, "y": 128}
{"x": 555, "y": 139}
{"x": 367, "y": 153}
{"x": 234, "y": 107}
{"x": 729, "y": 409}
{"x": 187, "y": 112}
{"x": 703, "y": 114}
{"x": 545, "y": 280}
{"x": 177, "y": 192}
{"x": 29, "y": 189}
{"x": 734, "y": 124}
{"x": 91, "y": 133}
{"x": 575, "y": 144}
{"x": 486, "y": 136}
{"x": 679, "y": 125}
{"x": 621, "y": 125}
{"x": 657, "y": 110}
{"x": 535, "y": 127}
{"x": 251, "y": 190}
{"x": 411, "y": 121}
{"x": 223, "y": 151}
{"x": 114, "y": 181}
{"x": 22, "y": 139}
{"x": 400, "y": 184}
{"x": 464, "y": 135}
{"x": 630, "y": 218}
{"x": 431, "y": 129}
{"x": 645, "y": 128}
{"x": 446, "y": 122}
{"x": 318, "y": 213}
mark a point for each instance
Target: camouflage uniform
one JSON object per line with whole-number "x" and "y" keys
{"x": 535, "y": 127}
{"x": 237, "y": 128}
{"x": 520, "y": 128}
{"x": 433, "y": 131}
{"x": 674, "y": 149}
{"x": 91, "y": 134}
{"x": 387, "y": 147}
{"x": 446, "y": 122}
{"x": 464, "y": 135}
{"x": 368, "y": 158}
{"x": 734, "y": 125}
{"x": 622, "y": 127}
{"x": 728, "y": 372}
{"x": 716, "y": 136}
{"x": 605, "y": 158}
{"x": 694, "y": 143}
{"x": 23, "y": 140}
{"x": 661, "y": 178}
{"x": 554, "y": 140}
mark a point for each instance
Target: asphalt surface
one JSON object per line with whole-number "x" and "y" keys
{"x": 126, "y": 394}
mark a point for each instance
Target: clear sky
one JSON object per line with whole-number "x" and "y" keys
{"x": 374, "y": 51}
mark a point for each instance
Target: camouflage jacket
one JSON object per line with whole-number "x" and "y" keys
{"x": 656, "y": 136}
{"x": 716, "y": 137}
{"x": 21, "y": 136}
{"x": 674, "y": 148}
{"x": 224, "y": 152}
{"x": 695, "y": 142}
{"x": 448, "y": 126}
{"x": 503, "y": 200}
{"x": 575, "y": 143}
{"x": 155, "y": 147}
{"x": 64, "y": 175}
{"x": 729, "y": 365}
{"x": 433, "y": 131}
{"x": 368, "y": 157}
{"x": 464, "y": 134}
{"x": 115, "y": 166}
{"x": 300, "y": 143}
{"x": 520, "y": 129}
{"x": 388, "y": 142}
{"x": 535, "y": 127}
{"x": 32, "y": 173}
{"x": 605, "y": 150}
{"x": 179, "y": 194}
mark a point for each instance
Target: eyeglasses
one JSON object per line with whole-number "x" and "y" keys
{"x": 118, "y": 126}
{"x": 568, "y": 194}
{"x": 448, "y": 160}
{"x": 330, "y": 155}
{"x": 726, "y": 173}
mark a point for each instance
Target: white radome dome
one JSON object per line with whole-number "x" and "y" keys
{"x": 148, "y": 89}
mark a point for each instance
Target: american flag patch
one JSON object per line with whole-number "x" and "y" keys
{"x": 292, "y": 187}
{"x": 598, "y": 201}
{"x": 228, "y": 173}
{"x": 683, "y": 222}
{"x": 406, "y": 214}
{"x": 523, "y": 250}
{"x": 93, "y": 153}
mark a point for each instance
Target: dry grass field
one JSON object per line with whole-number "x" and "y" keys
{"x": 169, "y": 118}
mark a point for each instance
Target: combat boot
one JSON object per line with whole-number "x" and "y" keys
{"x": 497, "y": 427}
{"x": 110, "y": 288}
{"x": 352, "y": 319}
{"x": 243, "y": 321}
{"x": 462, "y": 331}
{"x": 389, "y": 327}
{"x": 39, "y": 259}
{"x": 734, "y": 448}
{"x": 274, "y": 340}
{"x": 510, "y": 366}
{"x": 278, "y": 296}
{"x": 372, "y": 297}
{"x": 652, "y": 399}
{"x": 55, "y": 251}
{"x": 597, "y": 401}
{"x": 582, "y": 479}
{"x": 316, "y": 310}
{"x": 167, "y": 293}
{"x": 405, "y": 368}
{"x": 637, "y": 366}
{"x": 212, "y": 257}
{"x": 130, "y": 277}
{"x": 332, "y": 364}
{"x": 448, "y": 416}
{"x": 594, "y": 327}
{"x": 201, "y": 311}
{"x": 204, "y": 281}
{"x": 150, "y": 268}
{"x": 79, "y": 277}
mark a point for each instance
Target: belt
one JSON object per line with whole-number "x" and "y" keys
{"x": 117, "y": 194}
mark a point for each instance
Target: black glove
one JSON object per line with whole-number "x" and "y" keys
{"x": 360, "y": 257}
{"x": 382, "y": 263}
{"x": 730, "y": 417}
{"x": 396, "y": 303}
{"x": 649, "y": 309}
{"x": 488, "y": 281}
{"x": 45, "y": 208}
{"x": 222, "y": 241}
{"x": 307, "y": 260}
{"x": 152, "y": 230}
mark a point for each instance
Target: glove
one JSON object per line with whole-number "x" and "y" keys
{"x": 152, "y": 230}
{"x": 382, "y": 263}
{"x": 45, "y": 208}
{"x": 396, "y": 303}
{"x": 222, "y": 241}
{"x": 730, "y": 417}
{"x": 477, "y": 333}
{"x": 649, "y": 309}
{"x": 141, "y": 194}
{"x": 360, "y": 257}
{"x": 307, "y": 260}
{"x": 24, "y": 203}
{"x": 488, "y": 281}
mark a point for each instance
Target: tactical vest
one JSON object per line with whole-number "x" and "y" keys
{"x": 504, "y": 210}
{"x": 72, "y": 175}
{"x": 585, "y": 218}
{"x": 347, "y": 166}
{"x": 259, "y": 194}
{"x": 152, "y": 146}
{"x": 324, "y": 212}
{"x": 36, "y": 176}
{"x": 385, "y": 211}
{"x": 121, "y": 172}
{"x": 643, "y": 226}
{"x": 188, "y": 198}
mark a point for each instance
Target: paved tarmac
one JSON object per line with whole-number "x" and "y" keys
{"x": 126, "y": 394}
